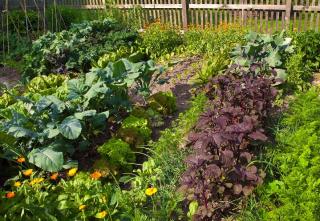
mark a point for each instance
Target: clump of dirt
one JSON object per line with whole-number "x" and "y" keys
{"x": 316, "y": 79}
{"x": 9, "y": 76}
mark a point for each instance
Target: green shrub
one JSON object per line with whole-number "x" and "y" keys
{"x": 212, "y": 41}
{"x": 117, "y": 153}
{"x": 18, "y": 47}
{"x": 160, "y": 39}
{"x": 53, "y": 126}
{"x": 299, "y": 74}
{"x": 309, "y": 44}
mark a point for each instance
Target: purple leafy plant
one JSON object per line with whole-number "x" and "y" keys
{"x": 220, "y": 170}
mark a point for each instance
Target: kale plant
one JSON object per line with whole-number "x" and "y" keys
{"x": 75, "y": 49}
{"x": 263, "y": 53}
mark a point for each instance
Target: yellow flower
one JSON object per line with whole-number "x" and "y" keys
{"x": 82, "y": 207}
{"x": 151, "y": 191}
{"x": 17, "y": 184}
{"x": 21, "y": 159}
{"x": 36, "y": 181}
{"x": 96, "y": 175}
{"x": 72, "y": 172}
{"x": 101, "y": 215}
{"x": 27, "y": 172}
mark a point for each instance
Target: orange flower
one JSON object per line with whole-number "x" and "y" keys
{"x": 10, "y": 195}
{"x": 27, "y": 172}
{"x": 54, "y": 176}
{"x": 96, "y": 175}
{"x": 151, "y": 191}
{"x": 21, "y": 159}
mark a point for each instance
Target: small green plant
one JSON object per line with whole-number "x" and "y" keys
{"x": 163, "y": 102}
{"x": 138, "y": 124}
{"x": 212, "y": 66}
{"x": 117, "y": 153}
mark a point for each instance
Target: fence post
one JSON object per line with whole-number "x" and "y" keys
{"x": 184, "y": 4}
{"x": 288, "y": 13}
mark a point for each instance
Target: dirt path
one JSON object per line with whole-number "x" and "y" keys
{"x": 177, "y": 80}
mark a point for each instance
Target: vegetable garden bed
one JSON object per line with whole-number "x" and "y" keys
{"x": 206, "y": 125}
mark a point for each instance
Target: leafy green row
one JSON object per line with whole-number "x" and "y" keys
{"x": 76, "y": 48}
{"x": 292, "y": 193}
{"x": 48, "y": 130}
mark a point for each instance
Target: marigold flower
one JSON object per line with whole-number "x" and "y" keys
{"x": 36, "y": 180}
{"x": 10, "y": 195}
{"x": 72, "y": 172}
{"x": 27, "y": 172}
{"x": 82, "y": 207}
{"x": 151, "y": 191}
{"x": 101, "y": 215}
{"x": 54, "y": 176}
{"x": 17, "y": 184}
{"x": 96, "y": 175}
{"x": 21, "y": 160}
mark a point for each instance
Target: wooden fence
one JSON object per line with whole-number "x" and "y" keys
{"x": 259, "y": 15}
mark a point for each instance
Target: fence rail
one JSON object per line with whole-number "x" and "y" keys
{"x": 260, "y": 15}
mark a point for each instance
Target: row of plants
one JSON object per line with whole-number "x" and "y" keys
{"x": 76, "y": 48}
{"x": 221, "y": 168}
{"x": 290, "y": 191}
{"x": 57, "y": 116}
{"x": 150, "y": 193}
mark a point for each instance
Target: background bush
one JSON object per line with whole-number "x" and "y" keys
{"x": 160, "y": 39}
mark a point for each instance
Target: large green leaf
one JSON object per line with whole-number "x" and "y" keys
{"x": 70, "y": 128}
{"x": 19, "y": 132}
{"x": 88, "y": 113}
{"x": 46, "y": 159}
